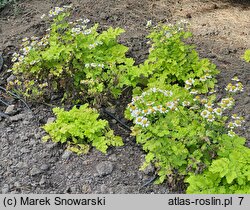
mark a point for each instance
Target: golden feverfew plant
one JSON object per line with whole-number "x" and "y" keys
{"x": 72, "y": 57}
{"x": 81, "y": 128}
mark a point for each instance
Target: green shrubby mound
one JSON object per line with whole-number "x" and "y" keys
{"x": 81, "y": 127}
{"x": 74, "y": 58}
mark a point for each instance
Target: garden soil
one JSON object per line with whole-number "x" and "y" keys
{"x": 27, "y": 165}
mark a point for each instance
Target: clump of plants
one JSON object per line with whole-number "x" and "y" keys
{"x": 80, "y": 128}
{"x": 71, "y": 58}
{"x": 178, "y": 119}
{"x": 172, "y": 61}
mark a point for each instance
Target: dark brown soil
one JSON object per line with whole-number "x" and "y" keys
{"x": 221, "y": 33}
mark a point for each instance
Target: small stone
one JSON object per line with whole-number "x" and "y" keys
{"x": 5, "y": 189}
{"x": 42, "y": 180}
{"x": 66, "y": 154}
{"x": 22, "y": 165}
{"x": 78, "y": 174}
{"x": 25, "y": 150}
{"x": 44, "y": 167}
{"x": 26, "y": 122}
{"x": 113, "y": 157}
{"x": 86, "y": 189}
{"x": 10, "y": 110}
{"x": 17, "y": 184}
{"x": 51, "y": 120}
{"x": 17, "y": 117}
{"x": 35, "y": 171}
{"x": 104, "y": 168}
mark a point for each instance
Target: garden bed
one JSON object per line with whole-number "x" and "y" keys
{"x": 27, "y": 165}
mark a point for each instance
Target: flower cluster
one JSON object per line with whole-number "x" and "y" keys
{"x": 189, "y": 83}
{"x": 235, "y": 123}
{"x": 210, "y": 113}
{"x": 226, "y": 103}
{"x": 91, "y": 46}
{"x": 146, "y": 105}
{"x": 94, "y": 65}
{"x": 54, "y": 12}
{"x": 238, "y": 87}
{"x": 205, "y": 77}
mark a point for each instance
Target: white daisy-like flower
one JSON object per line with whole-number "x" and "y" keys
{"x": 34, "y": 62}
{"x": 194, "y": 92}
{"x": 87, "y": 32}
{"x": 101, "y": 65}
{"x": 154, "y": 90}
{"x": 231, "y": 133}
{"x": 185, "y": 103}
{"x": 171, "y": 105}
{"x": 239, "y": 86}
{"x": 144, "y": 122}
{"x": 237, "y": 123}
{"x": 210, "y": 118}
{"x": 25, "y": 39}
{"x": 26, "y": 50}
{"x": 14, "y": 59}
{"x": 203, "y": 101}
{"x": 91, "y": 46}
{"x": 203, "y": 78}
{"x": 231, "y": 125}
{"x": 43, "y": 16}
{"x": 33, "y": 43}
{"x": 149, "y": 23}
{"x": 187, "y": 87}
{"x": 138, "y": 120}
{"x": 212, "y": 91}
{"x": 208, "y": 76}
{"x": 189, "y": 82}
{"x": 217, "y": 111}
{"x": 21, "y": 58}
{"x": 145, "y": 112}
{"x": 55, "y": 11}
{"x": 226, "y": 103}
{"x": 93, "y": 65}
{"x": 209, "y": 104}
{"x": 85, "y": 21}
{"x": 136, "y": 113}
{"x": 235, "y": 79}
{"x": 163, "y": 110}
{"x": 87, "y": 65}
{"x": 76, "y": 30}
{"x": 205, "y": 113}
{"x": 67, "y": 6}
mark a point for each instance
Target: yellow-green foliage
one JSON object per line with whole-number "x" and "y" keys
{"x": 229, "y": 173}
{"x": 81, "y": 128}
{"x": 247, "y": 55}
